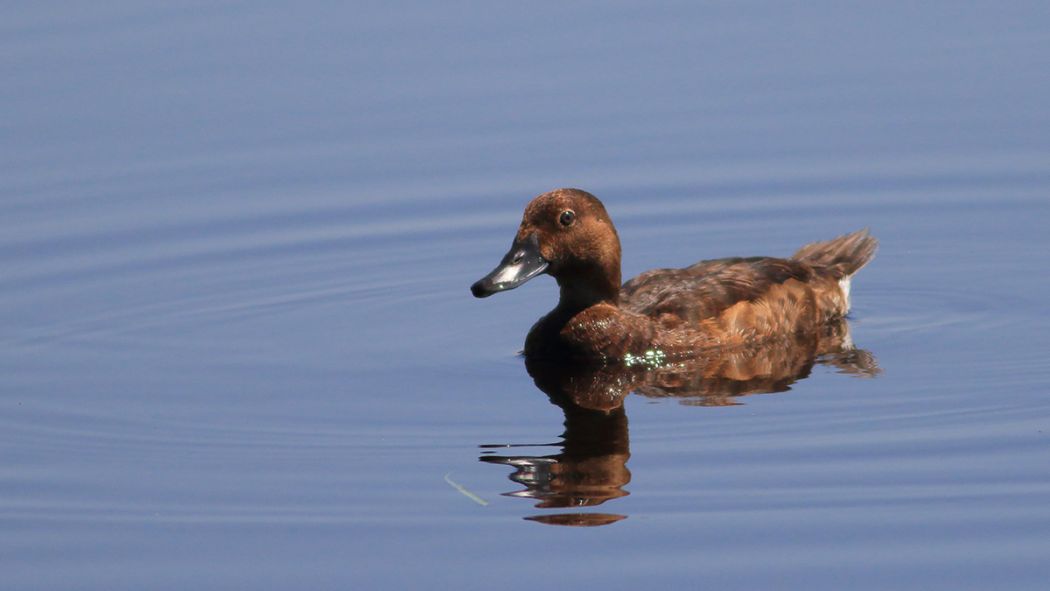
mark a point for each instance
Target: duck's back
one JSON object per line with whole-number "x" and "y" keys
{"x": 708, "y": 288}
{"x": 756, "y": 294}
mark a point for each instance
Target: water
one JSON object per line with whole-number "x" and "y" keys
{"x": 238, "y": 347}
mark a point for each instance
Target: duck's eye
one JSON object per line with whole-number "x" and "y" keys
{"x": 567, "y": 217}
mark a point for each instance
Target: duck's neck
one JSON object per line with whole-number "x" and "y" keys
{"x": 588, "y": 287}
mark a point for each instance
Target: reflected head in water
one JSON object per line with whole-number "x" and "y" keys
{"x": 591, "y": 467}
{"x": 665, "y": 313}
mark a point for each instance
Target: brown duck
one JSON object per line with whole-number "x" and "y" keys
{"x": 665, "y": 314}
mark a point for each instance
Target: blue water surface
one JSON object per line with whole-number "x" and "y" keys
{"x": 238, "y": 348}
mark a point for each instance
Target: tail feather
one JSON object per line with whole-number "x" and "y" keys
{"x": 839, "y": 257}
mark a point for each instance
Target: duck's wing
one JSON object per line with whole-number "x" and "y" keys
{"x": 708, "y": 288}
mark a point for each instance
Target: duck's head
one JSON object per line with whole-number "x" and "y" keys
{"x": 567, "y": 234}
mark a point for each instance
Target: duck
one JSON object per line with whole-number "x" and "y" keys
{"x": 663, "y": 315}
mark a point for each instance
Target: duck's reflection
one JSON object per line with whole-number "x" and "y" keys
{"x": 592, "y": 465}
{"x": 591, "y": 468}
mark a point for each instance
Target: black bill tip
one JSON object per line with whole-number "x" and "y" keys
{"x": 481, "y": 290}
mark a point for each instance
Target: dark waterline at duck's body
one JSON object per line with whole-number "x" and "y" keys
{"x": 665, "y": 313}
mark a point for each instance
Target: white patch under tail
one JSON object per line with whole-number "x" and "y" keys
{"x": 844, "y": 286}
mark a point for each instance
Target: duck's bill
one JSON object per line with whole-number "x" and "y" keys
{"x": 522, "y": 263}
